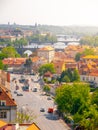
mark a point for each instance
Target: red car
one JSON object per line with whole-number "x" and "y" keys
{"x": 50, "y": 110}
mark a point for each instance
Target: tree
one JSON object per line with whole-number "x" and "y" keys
{"x": 75, "y": 100}
{"x": 10, "y": 52}
{"x": 45, "y": 68}
{"x": 94, "y": 98}
{"x": 20, "y": 43}
{"x": 69, "y": 76}
{"x": 25, "y": 115}
{"x": 1, "y": 65}
{"x": 89, "y": 51}
{"x": 63, "y": 98}
{"x": 89, "y": 40}
{"x": 89, "y": 118}
{"x": 46, "y": 88}
{"x": 3, "y": 55}
{"x": 28, "y": 65}
{"x": 66, "y": 79}
{"x": 76, "y": 76}
{"x": 72, "y": 98}
{"x": 38, "y": 38}
{"x": 78, "y": 56}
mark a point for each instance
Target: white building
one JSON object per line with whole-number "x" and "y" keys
{"x": 46, "y": 52}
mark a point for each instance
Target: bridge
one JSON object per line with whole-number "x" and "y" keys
{"x": 22, "y": 50}
{"x": 67, "y": 39}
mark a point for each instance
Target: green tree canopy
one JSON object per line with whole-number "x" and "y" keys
{"x": 28, "y": 65}
{"x": 1, "y": 65}
{"x": 89, "y": 40}
{"x": 76, "y": 76}
{"x": 20, "y": 43}
{"x": 38, "y": 38}
{"x": 10, "y": 52}
{"x": 46, "y": 88}
{"x": 69, "y": 75}
{"x": 65, "y": 79}
{"x": 89, "y": 51}
{"x": 77, "y": 101}
{"x": 95, "y": 97}
{"x": 72, "y": 98}
{"x": 78, "y": 56}
{"x": 45, "y": 68}
{"x": 3, "y": 55}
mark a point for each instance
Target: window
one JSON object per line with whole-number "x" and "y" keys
{"x": 3, "y": 114}
{"x": 83, "y": 78}
{"x": 2, "y": 103}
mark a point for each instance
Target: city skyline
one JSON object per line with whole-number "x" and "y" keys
{"x": 50, "y": 12}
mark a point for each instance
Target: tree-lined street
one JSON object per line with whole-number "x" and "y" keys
{"x": 34, "y": 101}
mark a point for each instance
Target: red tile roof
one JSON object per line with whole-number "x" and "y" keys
{"x": 6, "y": 96}
{"x": 94, "y": 73}
{"x": 48, "y": 74}
{"x": 14, "y": 61}
{"x": 35, "y": 59}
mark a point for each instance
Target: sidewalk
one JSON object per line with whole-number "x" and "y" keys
{"x": 68, "y": 128}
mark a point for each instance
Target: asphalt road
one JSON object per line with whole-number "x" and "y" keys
{"x": 35, "y": 101}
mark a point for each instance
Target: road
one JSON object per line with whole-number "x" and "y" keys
{"x": 35, "y": 101}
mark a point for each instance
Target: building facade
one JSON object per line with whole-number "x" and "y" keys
{"x": 8, "y": 106}
{"x": 47, "y": 52}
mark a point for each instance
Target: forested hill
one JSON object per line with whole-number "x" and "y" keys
{"x": 78, "y": 30}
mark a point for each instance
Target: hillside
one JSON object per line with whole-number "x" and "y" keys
{"x": 72, "y": 30}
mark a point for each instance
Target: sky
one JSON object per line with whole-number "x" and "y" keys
{"x": 50, "y": 12}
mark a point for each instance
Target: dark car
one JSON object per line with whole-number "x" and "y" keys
{"x": 42, "y": 110}
{"x": 21, "y": 80}
{"x": 48, "y": 98}
{"x": 35, "y": 90}
{"x": 15, "y": 92}
{"x": 19, "y": 94}
{"x": 13, "y": 79}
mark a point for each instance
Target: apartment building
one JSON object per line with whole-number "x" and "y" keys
{"x": 47, "y": 52}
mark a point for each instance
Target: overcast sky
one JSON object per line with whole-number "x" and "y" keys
{"x": 51, "y": 12}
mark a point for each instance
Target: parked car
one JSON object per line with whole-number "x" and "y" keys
{"x": 21, "y": 80}
{"x": 35, "y": 90}
{"x": 48, "y": 98}
{"x": 15, "y": 92}
{"x": 13, "y": 79}
{"x": 19, "y": 94}
{"x": 50, "y": 110}
{"x": 42, "y": 110}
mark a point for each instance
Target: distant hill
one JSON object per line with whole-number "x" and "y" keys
{"x": 72, "y": 30}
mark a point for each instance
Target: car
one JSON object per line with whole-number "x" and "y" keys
{"x": 15, "y": 92}
{"x": 19, "y": 94}
{"x": 21, "y": 80}
{"x": 13, "y": 79}
{"x": 35, "y": 90}
{"x": 42, "y": 110}
{"x": 48, "y": 98}
{"x": 50, "y": 110}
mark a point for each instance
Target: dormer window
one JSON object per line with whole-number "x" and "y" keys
{"x": 2, "y": 103}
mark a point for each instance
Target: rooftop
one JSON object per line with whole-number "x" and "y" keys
{"x": 2, "y": 123}
{"x": 46, "y": 48}
{"x": 5, "y": 95}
